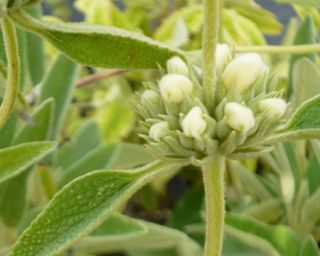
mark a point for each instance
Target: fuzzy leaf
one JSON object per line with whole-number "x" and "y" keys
{"x": 276, "y": 240}
{"x": 82, "y": 206}
{"x": 304, "y": 35}
{"x": 146, "y": 236}
{"x": 14, "y": 160}
{"x": 99, "y": 46}
{"x": 58, "y": 83}
{"x": 303, "y": 124}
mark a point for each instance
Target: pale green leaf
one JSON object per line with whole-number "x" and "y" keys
{"x": 14, "y": 160}
{"x": 100, "y": 46}
{"x": 303, "y": 124}
{"x": 274, "y": 240}
{"x": 82, "y": 206}
{"x": 306, "y": 77}
{"x": 149, "y": 237}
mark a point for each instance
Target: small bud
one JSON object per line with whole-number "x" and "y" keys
{"x": 275, "y": 107}
{"x": 150, "y": 96}
{"x": 239, "y": 117}
{"x": 176, "y": 65}
{"x": 223, "y": 56}
{"x": 174, "y": 87}
{"x": 244, "y": 71}
{"x": 193, "y": 125}
{"x": 158, "y": 130}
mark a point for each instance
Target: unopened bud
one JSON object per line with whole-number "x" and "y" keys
{"x": 174, "y": 87}
{"x": 150, "y": 96}
{"x": 158, "y": 131}
{"x": 176, "y": 65}
{"x": 193, "y": 125}
{"x": 239, "y": 117}
{"x": 244, "y": 71}
{"x": 275, "y": 107}
{"x": 223, "y": 56}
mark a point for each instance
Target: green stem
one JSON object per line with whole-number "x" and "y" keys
{"x": 211, "y": 20}
{"x": 221, "y": 21}
{"x": 283, "y": 49}
{"x": 213, "y": 177}
{"x": 13, "y": 70}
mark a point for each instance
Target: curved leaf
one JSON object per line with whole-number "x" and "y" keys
{"x": 14, "y": 160}
{"x": 99, "y": 46}
{"x": 278, "y": 240}
{"x": 81, "y": 206}
{"x": 303, "y": 124}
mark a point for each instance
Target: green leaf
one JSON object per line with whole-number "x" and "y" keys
{"x": 149, "y": 236}
{"x": 94, "y": 160}
{"x": 303, "y": 124}
{"x": 275, "y": 240}
{"x": 86, "y": 139}
{"x": 58, "y": 83}
{"x": 13, "y": 199}
{"x": 82, "y": 206}
{"x": 310, "y": 248}
{"x": 311, "y": 212}
{"x": 306, "y": 77}
{"x": 14, "y": 160}
{"x": 41, "y": 125}
{"x": 7, "y": 132}
{"x": 314, "y": 3}
{"x": 35, "y": 51}
{"x": 313, "y": 173}
{"x": 304, "y": 35}
{"x": 188, "y": 209}
{"x": 100, "y": 46}
{"x": 128, "y": 155}
{"x": 13, "y": 191}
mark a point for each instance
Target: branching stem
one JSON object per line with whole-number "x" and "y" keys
{"x": 13, "y": 70}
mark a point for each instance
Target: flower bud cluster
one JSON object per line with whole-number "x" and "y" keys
{"x": 245, "y": 110}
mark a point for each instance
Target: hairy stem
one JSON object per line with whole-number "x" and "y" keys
{"x": 211, "y": 25}
{"x": 282, "y": 49}
{"x": 213, "y": 177}
{"x": 13, "y": 70}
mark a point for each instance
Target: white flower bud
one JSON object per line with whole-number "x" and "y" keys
{"x": 239, "y": 117}
{"x": 223, "y": 56}
{"x": 193, "y": 125}
{"x": 244, "y": 71}
{"x": 150, "y": 96}
{"x": 275, "y": 107}
{"x": 174, "y": 87}
{"x": 158, "y": 131}
{"x": 176, "y": 65}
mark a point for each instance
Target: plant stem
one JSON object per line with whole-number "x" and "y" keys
{"x": 13, "y": 70}
{"x": 211, "y": 20}
{"x": 213, "y": 177}
{"x": 284, "y": 49}
{"x": 220, "y": 39}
